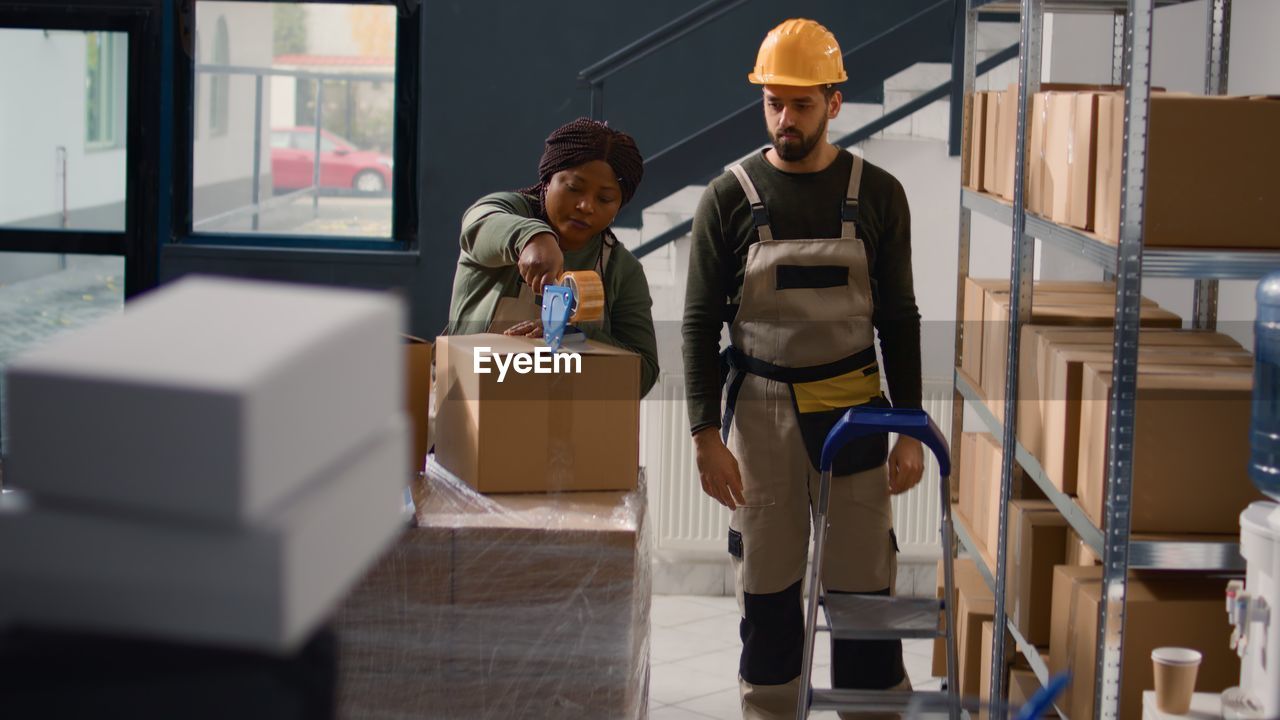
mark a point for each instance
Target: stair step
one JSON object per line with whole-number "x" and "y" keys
{"x": 881, "y": 701}
{"x": 872, "y": 617}
{"x": 921, "y": 77}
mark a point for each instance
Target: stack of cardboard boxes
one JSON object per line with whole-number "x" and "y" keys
{"x": 1190, "y": 477}
{"x": 1067, "y": 304}
{"x": 531, "y": 604}
{"x": 466, "y": 617}
{"x": 1074, "y": 155}
{"x": 1160, "y": 610}
{"x": 202, "y": 468}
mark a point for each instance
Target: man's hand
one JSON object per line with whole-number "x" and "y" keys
{"x": 527, "y": 328}
{"x": 718, "y": 468}
{"x": 906, "y": 465}
{"x": 541, "y": 262}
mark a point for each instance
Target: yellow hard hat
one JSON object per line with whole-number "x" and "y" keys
{"x": 799, "y": 52}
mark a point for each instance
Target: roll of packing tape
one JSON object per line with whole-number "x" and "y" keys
{"x": 588, "y": 292}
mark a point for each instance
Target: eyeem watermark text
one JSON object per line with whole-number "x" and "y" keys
{"x": 539, "y": 362}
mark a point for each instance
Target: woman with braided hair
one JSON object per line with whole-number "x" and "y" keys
{"x": 514, "y": 243}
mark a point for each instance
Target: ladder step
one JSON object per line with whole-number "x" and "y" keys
{"x": 874, "y": 617}
{"x": 880, "y": 701}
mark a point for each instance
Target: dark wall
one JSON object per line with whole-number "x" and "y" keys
{"x": 497, "y": 76}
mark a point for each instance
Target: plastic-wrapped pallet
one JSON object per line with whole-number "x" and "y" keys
{"x": 497, "y": 606}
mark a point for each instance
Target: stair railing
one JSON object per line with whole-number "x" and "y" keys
{"x": 857, "y": 136}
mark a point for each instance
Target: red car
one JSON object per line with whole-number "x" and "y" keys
{"x": 342, "y": 166}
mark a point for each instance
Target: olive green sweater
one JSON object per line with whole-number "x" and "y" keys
{"x": 494, "y": 232}
{"x": 800, "y": 206}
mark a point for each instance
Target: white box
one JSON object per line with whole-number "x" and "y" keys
{"x": 265, "y": 588}
{"x": 208, "y": 398}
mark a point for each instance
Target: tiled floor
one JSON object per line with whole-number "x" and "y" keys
{"x": 694, "y": 660}
{"x": 33, "y": 310}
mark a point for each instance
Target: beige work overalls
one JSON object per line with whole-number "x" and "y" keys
{"x": 802, "y": 352}
{"x": 512, "y": 311}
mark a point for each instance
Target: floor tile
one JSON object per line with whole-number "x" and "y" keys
{"x": 674, "y": 712}
{"x": 720, "y": 627}
{"x": 672, "y": 610}
{"x": 719, "y": 662}
{"x": 726, "y": 704}
{"x": 671, "y": 685}
{"x": 668, "y": 645}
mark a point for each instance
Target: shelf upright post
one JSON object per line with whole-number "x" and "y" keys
{"x": 1119, "y": 496}
{"x": 969, "y": 62}
{"x": 1217, "y": 54}
{"x": 1021, "y": 281}
{"x": 1117, "y": 78}
{"x": 1117, "y": 47}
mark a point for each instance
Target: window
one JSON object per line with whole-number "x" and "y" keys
{"x": 299, "y": 69}
{"x": 47, "y": 294}
{"x": 104, "y": 97}
{"x": 220, "y": 88}
{"x": 64, "y": 135}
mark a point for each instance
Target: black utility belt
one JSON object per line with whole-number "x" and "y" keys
{"x": 815, "y": 414}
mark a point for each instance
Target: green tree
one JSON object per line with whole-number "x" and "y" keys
{"x": 290, "y": 29}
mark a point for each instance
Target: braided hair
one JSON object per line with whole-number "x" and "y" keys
{"x": 581, "y": 141}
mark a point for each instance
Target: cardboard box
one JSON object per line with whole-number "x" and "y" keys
{"x": 1023, "y": 686}
{"x": 980, "y": 493}
{"x": 976, "y": 605}
{"x": 225, "y": 398}
{"x": 417, "y": 400}
{"x": 264, "y": 587}
{"x": 1006, "y": 133}
{"x": 466, "y": 617}
{"x": 1079, "y": 552}
{"x": 1191, "y": 448}
{"x": 977, "y": 139}
{"x": 1180, "y": 611}
{"x": 1082, "y": 161}
{"x": 1006, "y": 142}
{"x": 976, "y": 290}
{"x": 1060, "y": 444}
{"x": 537, "y": 432}
{"x": 1033, "y": 373}
{"x": 971, "y": 446}
{"x": 964, "y": 467}
{"x": 991, "y": 153}
{"x": 1085, "y": 310}
{"x": 984, "y": 664}
{"x": 1037, "y": 543}
{"x": 1059, "y": 119}
{"x": 969, "y": 580}
{"x": 1109, "y": 146}
{"x": 1193, "y": 164}
{"x": 1035, "y": 154}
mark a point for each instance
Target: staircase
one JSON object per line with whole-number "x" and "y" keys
{"x": 690, "y": 529}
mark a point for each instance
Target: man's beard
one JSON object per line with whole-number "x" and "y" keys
{"x": 798, "y": 147}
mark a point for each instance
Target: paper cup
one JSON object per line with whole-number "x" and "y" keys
{"x": 1175, "y": 670}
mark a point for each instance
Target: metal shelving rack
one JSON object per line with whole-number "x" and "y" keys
{"x": 1127, "y": 264}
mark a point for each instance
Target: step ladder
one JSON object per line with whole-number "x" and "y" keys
{"x": 861, "y": 617}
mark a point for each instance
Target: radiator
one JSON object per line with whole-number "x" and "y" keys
{"x": 687, "y": 521}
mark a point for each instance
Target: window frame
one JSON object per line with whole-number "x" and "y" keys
{"x": 404, "y": 186}
{"x": 137, "y": 241}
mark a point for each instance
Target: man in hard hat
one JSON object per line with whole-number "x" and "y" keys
{"x": 805, "y": 250}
